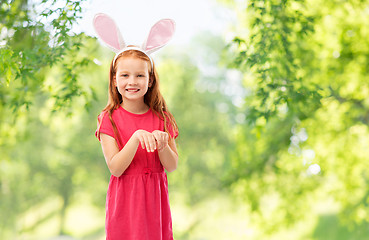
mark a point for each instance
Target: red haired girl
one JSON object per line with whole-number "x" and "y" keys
{"x": 137, "y": 134}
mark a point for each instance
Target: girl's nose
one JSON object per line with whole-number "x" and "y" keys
{"x": 132, "y": 80}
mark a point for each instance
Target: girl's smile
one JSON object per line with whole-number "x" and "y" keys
{"x": 132, "y": 90}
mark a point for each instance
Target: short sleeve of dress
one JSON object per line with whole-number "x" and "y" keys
{"x": 174, "y": 133}
{"x": 104, "y": 125}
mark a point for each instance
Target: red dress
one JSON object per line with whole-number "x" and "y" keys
{"x": 137, "y": 202}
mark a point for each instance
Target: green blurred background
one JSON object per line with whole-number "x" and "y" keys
{"x": 273, "y": 119}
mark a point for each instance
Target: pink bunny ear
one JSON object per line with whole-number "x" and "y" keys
{"x": 108, "y": 32}
{"x": 159, "y": 35}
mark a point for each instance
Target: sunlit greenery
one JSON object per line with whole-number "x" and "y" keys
{"x": 306, "y": 64}
{"x": 274, "y": 138}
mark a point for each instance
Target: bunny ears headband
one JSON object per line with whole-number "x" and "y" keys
{"x": 109, "y": 33}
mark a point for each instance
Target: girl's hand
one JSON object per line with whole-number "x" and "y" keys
{"x": 146, "y": 139}
{"x": 161, "y": 139}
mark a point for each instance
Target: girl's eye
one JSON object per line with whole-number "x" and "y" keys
{"x": 140, "y": 75}
{"x": 124, "y": 75}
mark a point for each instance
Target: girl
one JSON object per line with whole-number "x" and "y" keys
{"x": 137, "y": 133}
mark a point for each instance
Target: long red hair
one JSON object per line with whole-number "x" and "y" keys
{"x": 152, "y": 98}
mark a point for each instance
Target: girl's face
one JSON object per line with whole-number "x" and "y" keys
{"x": 132, "y": 78}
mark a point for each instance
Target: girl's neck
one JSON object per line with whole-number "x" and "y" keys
{"x": 135, "y": 107}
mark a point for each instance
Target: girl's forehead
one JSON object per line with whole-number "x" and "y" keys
{"x": 132, "y": 64}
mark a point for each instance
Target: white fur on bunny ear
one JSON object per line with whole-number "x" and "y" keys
{"x": 108, "y": 32}
{"x": 159, "y": 35}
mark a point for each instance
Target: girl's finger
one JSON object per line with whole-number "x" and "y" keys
{"x": 140, "y": 138}
{"x": 159, "y": 145}
{"x": 149, "y": 142}
{"x": 146, "y": 142}
{"x": 157, "y": 139}
{"x": 152, "y": 143}
{"x": 142, "y": 142}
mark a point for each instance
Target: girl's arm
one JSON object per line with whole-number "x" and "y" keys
{"x": 118, "y": 161}
{"x": 169, "y": 156}
{"x": 167, "y": 150}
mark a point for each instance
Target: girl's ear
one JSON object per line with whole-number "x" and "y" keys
{"x": 108, "y": 32}
{"x": 159, "y": 35}
{"x": 150, "y": 82}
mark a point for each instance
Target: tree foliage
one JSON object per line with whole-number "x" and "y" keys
{"x": 305, "y": 64}
{"x": 40, "y": 86}
{"x": 34, "y": 39}
{"x": 275, "y": 53}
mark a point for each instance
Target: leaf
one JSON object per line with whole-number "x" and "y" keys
{"x": 8, "y": 76}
